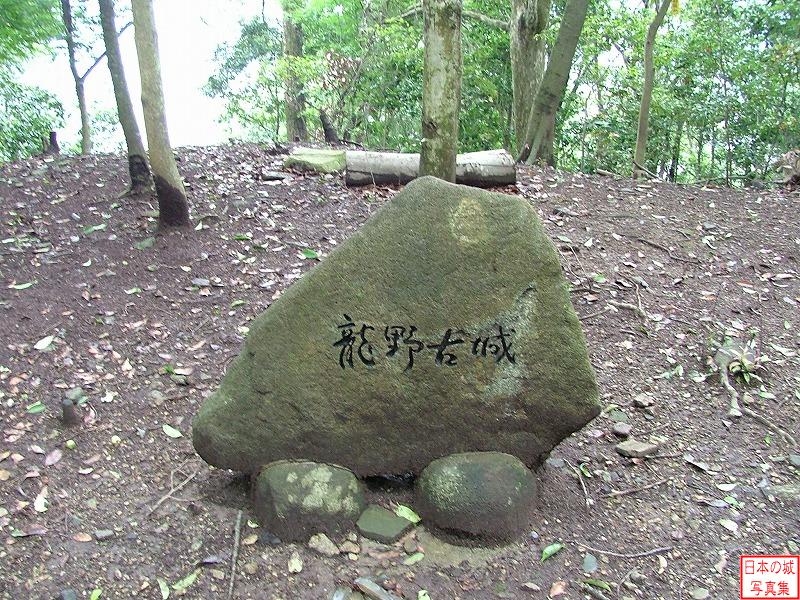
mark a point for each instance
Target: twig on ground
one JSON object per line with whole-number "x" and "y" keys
{"x": 662, "y": 248}
{"x": 737, "y": 410}
{"x": 628, "y": 306}
{"x": 594, "y": 314}
{"x": 623, "y": 555}
{"x": 172, "y": 490}
{"x": 579, "y": 475}
{"x": 619, "y": 493}
{"x": 237, "y": 534}
{"x": 593, "y": 592}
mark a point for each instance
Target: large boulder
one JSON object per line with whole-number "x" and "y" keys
{"x": 443, "y": 325}
{"x": 486, "y": 494}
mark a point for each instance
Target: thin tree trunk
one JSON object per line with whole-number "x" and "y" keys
{"x": 295, "y": 103}
{"x": 69, "y": 27}
{"x": 676, "y": 153}
{"x": 528, "y": 53}
{"x": 137, "y": 157}
{"x": 541, "y": 118}
{"x": 173, "y": 209}
{"x": 647, "y": 89}
{"x": 700, "y": 144}
{"x": 441, "y": 88}
{"x": 328, "y": 129}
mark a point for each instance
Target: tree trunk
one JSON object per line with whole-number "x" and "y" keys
{"x": 676, "y": 153}
{"x": 551, "y": 91}
{"x": 328, "y": 129}
{"x": 441, "y": 88}
{"x": 295, "y": 102}
{"x": 51, "y": 144}
{"x": 173, "y": 209}
{"x": 69, "y": 28}
{"x": 480, "y": 169}
{"x": 528, "y": 54}
{"x": 647, "y": 90}
{"x": 137, "y": 158}
{"x": 700, "y": 144}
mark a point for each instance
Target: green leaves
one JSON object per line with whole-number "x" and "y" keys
{"x": 309, "y": 253}
{"x": 407, "y": 513}
{"x": 92, "y": 228}
{"x": 552, "y": 550}
{"x": 21, "y": 286}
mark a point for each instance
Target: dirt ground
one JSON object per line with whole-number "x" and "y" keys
{"x": 139, "y": 328}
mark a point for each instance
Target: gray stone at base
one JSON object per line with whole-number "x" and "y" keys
{"x": 295, "y": 499}
{"x": 381, "y": 525}
{"x": 486, "y": 494}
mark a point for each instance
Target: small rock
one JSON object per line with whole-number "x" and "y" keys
{"x": 410, "y": 546}
{"x": 529, "y": 586}
{"x": 643, "y": 401}
{"x": 789, "y": 492}
{"x": 637, "y": 576}
{"x": 379, "y": 524}
{"x": 103, "y": 534}
{"x": 555, "y": 462}
{"x": 622, "y": 429}
{"x": 349, "y": 547}
{"x": 794, "y": 460}
{"x": 323, "y": 544}
{"x": 352, "y": 536}
{"x": 635, "y": 449}
{"x": 250, "y": 568}
{"x": 68, "y": 595}
{"x": 267, "y": 538}
{"x": 218, "y": 574}
{"x": 295, "y": 563}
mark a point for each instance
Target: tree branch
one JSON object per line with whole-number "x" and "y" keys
{"x": 480, "y": 17}
{"x": 103, "y": 55}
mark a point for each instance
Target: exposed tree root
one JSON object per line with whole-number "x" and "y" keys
{"x": 737, "y": 410}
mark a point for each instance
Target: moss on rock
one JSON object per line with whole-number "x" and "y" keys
{"x": 295, "y": 499}
{"x": 486, "y": 494}
{"x": 317, "y": 160}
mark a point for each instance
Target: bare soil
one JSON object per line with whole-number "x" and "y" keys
{"x": 143, "y": 325}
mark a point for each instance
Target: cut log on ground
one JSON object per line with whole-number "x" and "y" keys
{"x": 479, "y": 169}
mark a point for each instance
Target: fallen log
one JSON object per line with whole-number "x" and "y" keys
{"x": 479, "y": 169}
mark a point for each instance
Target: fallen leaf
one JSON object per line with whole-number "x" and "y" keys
{"x": 40, "y": 503}
{"x": 407, "y": 513}
{"x": 186, "y": 581}
{"x": 44, "y": 343}
{"x": 552, "y": 550}
{"x": 558, "y": 588}
{"x": 731, "y": 526}
{"x": 250, "y": 540}
{"x": 53, "y": 457}
{"x": 171, "y": 431}
{"x": 162, "y": 585}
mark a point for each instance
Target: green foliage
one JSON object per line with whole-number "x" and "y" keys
{"x": 27, "y": 115}
{"x": 726, "y": 78}
{"x": 362, "y": 65}
{"x": 25, "y": 27}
